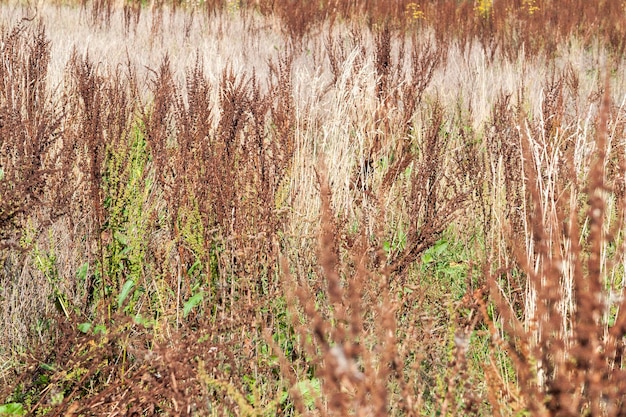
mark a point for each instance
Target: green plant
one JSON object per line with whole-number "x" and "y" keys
{"x": 126, "y": 189}
{"x": 149, "y": 196}
{"x": 12, "y": 409}
{"x": 448, "y": 262}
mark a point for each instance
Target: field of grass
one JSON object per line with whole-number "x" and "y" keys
{"x": 364, "y": 207}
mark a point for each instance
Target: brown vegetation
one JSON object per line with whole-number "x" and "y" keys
{"x": 302, "y": 207}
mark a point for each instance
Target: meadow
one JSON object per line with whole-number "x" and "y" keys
{"x": 326, "y": 208}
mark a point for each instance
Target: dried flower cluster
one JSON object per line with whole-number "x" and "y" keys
{"x": 312, "y": 208}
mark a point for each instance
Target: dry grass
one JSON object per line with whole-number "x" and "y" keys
{"x": 325, "y": 208}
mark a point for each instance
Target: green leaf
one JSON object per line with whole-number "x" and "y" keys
{"x": 309, "y": 390}
{"x": 121, "y": 237}
{"x": 386, "y": 246}
{"x": 192, "y": 302}
{"x": 43, "y": 380}
{"x": 47, "y": 367}
{"x": 81, "y": 274}
{"x": 144, "y": 321}
{"x": 126, "y": 288}
{"x": 100, "y": 329}
{"x": 12, "y": 409}
{"x": 84, "y": 327}
{"x": 427, "y": 257}
{"x": 283, "y": 397}
{"x": 441, "y": 246}
{"x": 193, "y": 267}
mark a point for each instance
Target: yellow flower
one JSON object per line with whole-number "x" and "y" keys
{"x": 483, "y": 7}
{"x": 531, "y": 6}
{"x": 413, "y": 11}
